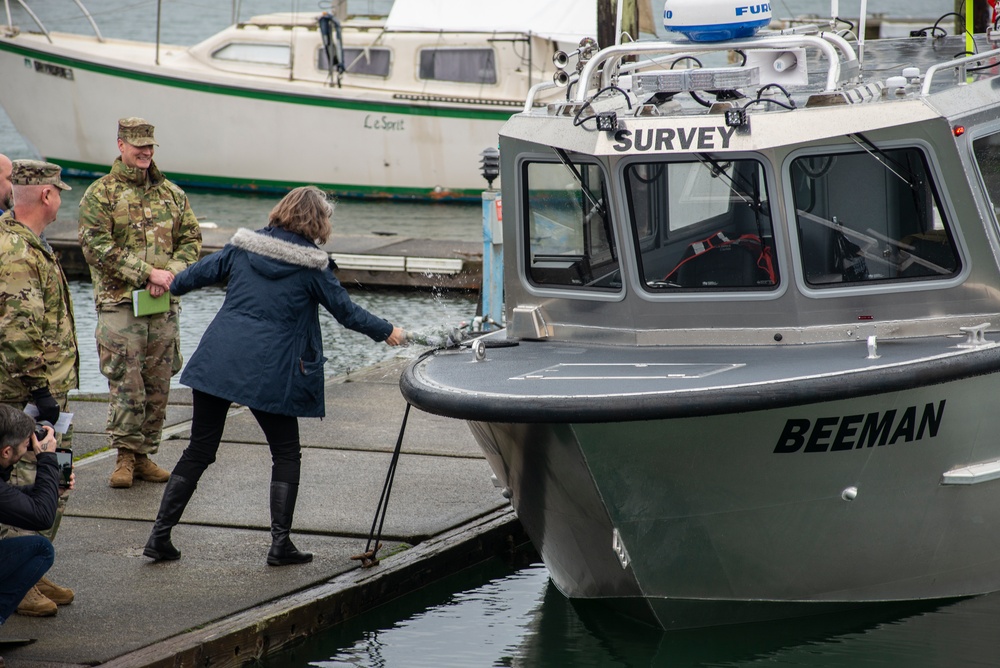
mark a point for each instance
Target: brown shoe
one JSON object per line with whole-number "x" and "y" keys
{"x": 34, "y": 604}
{"x": 53, "y": 592}
{"x": 146, "y": 469}
{"x": 124, "y": 465}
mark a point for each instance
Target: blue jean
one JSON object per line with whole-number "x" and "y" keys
{"x": 25, "y": 560}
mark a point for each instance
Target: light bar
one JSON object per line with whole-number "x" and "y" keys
{"x": 707, "y": 78}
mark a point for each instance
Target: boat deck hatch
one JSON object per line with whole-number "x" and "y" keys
{"x": 618, "y": 371}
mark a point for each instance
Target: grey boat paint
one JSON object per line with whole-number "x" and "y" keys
{"x": 750, "y": 363}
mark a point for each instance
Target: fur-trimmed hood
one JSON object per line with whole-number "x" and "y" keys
{"x": 277, "y": 252}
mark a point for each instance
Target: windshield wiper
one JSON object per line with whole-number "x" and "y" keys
{"x": 597, "y": 205}
{"x": 883, "y": 158}
{"x": 718, "y": 170}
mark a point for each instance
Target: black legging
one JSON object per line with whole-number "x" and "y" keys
{"x": 281, "y": 432}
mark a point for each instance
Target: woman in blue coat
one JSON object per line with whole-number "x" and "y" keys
{"x": 263, "y": 350}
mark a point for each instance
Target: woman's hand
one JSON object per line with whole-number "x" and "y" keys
{"x": 397, "y": 338}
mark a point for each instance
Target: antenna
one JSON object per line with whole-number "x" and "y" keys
{"x": 618, "y": 21}
{"x": 861, "y": 33}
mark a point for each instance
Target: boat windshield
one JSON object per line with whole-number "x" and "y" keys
{"x": 702, "y": 224}
{"x": 569, "y": 237}
{"x": 871, "y": 215}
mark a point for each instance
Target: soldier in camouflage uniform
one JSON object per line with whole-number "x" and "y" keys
{"x": 39, "y": 361}
{"x": 137, "y": 231}
{"x": 6, "y": 187}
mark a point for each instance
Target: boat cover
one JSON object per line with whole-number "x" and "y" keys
{"x": 560, "y": 20}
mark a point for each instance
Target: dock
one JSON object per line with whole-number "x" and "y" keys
{"x": 366, "y": 260}
{"x": 221, "y": 604}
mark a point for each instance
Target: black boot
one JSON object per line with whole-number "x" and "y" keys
{"x": 282, "y": 551}
{"x": 175, "y": 498}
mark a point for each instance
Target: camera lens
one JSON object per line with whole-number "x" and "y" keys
{"x": 40, "y": 429}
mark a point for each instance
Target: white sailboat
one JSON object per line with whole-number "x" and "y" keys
{"x": 399, "y": 106}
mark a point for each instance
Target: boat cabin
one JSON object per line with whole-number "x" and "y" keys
{"x": 681, "y": 205}
{"x": 363, "y": 53}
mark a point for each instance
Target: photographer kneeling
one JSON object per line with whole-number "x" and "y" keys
{"x": 25, "y": 559}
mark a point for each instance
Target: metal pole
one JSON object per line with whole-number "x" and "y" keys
{"x": 159, "y": 8}
{"x": 10, "y": 21}
{"x": 492, "y": 288}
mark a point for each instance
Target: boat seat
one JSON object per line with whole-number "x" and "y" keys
{"x": 934, "y": 247}
{"x": 729, "y": 266}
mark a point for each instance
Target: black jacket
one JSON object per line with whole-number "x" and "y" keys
{"x": 32, "y": 507}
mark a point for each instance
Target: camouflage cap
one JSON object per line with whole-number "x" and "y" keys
{"x": 136, "y": 131}
{"x": 37, "y": 173}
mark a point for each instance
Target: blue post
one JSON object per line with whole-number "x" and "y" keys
{"x": 492, "y": 289}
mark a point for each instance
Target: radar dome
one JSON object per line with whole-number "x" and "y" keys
{"x": 715, "y": 20}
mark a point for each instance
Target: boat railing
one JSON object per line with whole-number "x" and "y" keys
{"x": 961, "y": 64}
{"x": 840, "y": 55}
{"x": 41, "y": 26}
{"x": 529, "y": 102}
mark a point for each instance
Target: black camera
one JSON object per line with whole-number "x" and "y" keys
{"x": 40, "y": 429}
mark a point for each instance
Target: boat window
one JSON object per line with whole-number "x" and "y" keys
{"x": 987, "y": 152}
{"x": 260, "y": 54}
{"x": 871, "y": 215}
{"x": 476, "y": 66}
{"x": 367, "y": 61}
{"x": 703, "y": 224}
{"x": 569, "y": 239}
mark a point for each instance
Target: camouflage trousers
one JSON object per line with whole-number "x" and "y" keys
{"x": 24, "y": 474}
{"x": 138, "y": 356}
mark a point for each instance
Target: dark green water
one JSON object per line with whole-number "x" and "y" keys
{"x": 501, "y": 614}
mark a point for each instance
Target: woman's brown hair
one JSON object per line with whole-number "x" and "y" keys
{"x": 305, "y": 211}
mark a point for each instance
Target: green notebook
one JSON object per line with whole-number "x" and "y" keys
{"x": 144, "y": 303}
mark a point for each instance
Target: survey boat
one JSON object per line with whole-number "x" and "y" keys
{"x": 396, "y": 106}
{"x": 750, "y": 364}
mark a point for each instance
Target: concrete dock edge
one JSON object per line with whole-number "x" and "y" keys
{"x": 269, "y": 628}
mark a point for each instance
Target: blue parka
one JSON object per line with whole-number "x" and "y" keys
{"x": 264, "y": 348}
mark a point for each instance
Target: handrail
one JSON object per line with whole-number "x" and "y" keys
{"x": 612, "y": 55}
{"x": 41, "y": 26}
{"x": 529, "y": 102}
{"x": 845, "y": 47}
{"x": 35, "y": 18}
{"x": 959, "y": 63}
{"x": 100, "y": 37}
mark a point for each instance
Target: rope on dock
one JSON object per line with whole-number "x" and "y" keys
{"x": 369, "y": 557}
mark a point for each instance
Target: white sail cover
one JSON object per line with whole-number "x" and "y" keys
{"x": 561, "y": 20}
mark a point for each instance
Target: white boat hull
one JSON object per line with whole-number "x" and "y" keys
{"x": 272, "y": 137}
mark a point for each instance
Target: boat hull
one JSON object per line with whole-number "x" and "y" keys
{"x": 214, "y": 133}
{"x": 702, "y": 521}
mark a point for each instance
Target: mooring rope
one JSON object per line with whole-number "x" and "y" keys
{"x": 369, "y": 557}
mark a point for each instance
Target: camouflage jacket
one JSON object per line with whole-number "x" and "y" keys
{"x": 130, "y": 225}
{"x": 38, "y": 346}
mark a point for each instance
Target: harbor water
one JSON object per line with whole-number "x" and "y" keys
{"x": 503, "y": 613}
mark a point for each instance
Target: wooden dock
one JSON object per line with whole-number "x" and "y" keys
{"x": 369, "y": 261}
